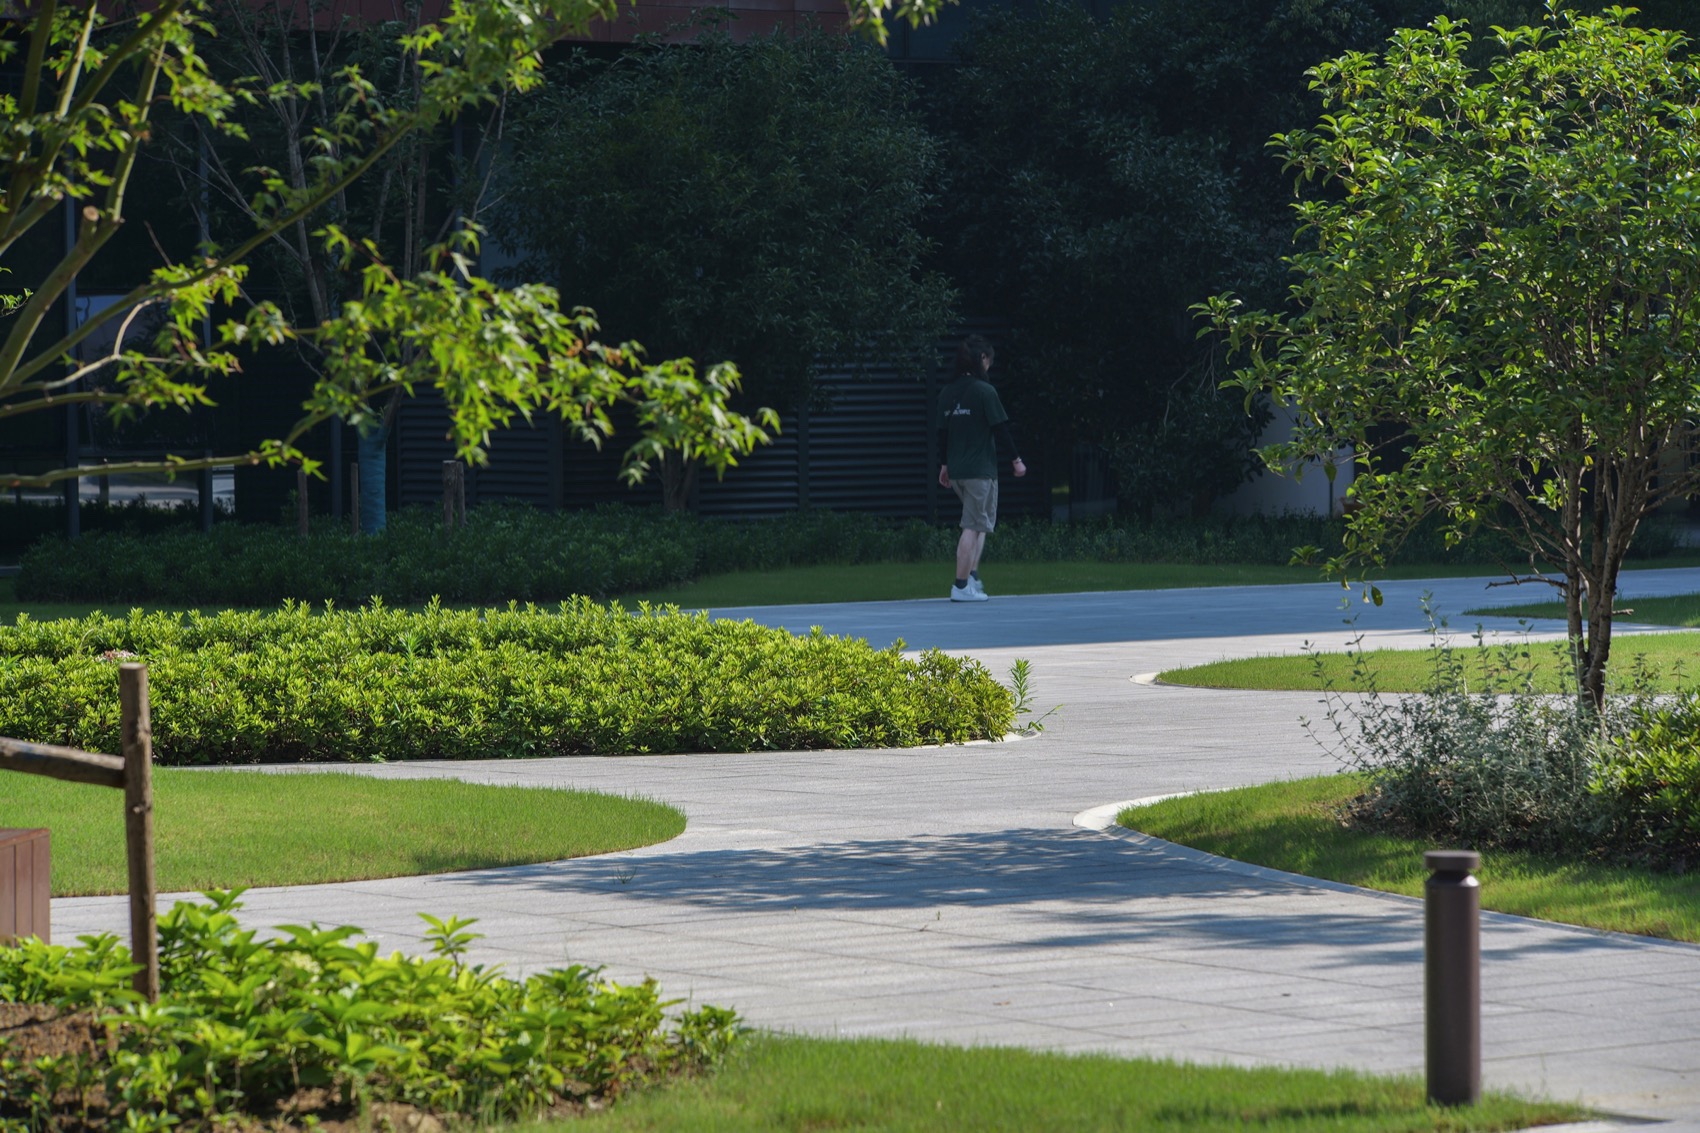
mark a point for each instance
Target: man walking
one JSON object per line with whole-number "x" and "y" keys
{"x": 971, "y": 423}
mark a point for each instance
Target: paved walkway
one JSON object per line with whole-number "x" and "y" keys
{"x": 949, "y": 894}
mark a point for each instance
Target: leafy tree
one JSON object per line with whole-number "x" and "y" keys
{"x": 405, "y": 206}
{"x": 71, "y": 134}
{"x": 1672, "y": 15}
{"x": 1106, "y": 174}
{"x": 1498, "y": 308}
{"x": 754, "y": 201}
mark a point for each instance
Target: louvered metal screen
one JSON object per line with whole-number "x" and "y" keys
{"x": 869, "y": 449}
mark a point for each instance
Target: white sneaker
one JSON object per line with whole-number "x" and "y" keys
{"x": 967, "y": 594}
{"x": 977, "y": 587}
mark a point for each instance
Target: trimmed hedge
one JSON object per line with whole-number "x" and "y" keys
{"x": 506, "y": 553}
{"x": 23, "y": 524}
{"x": 378, "y": 684}
{"x": 513, "y": 552}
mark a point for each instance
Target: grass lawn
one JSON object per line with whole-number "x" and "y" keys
{"x": 228, "y": 829}
{"x": 1292, "y": 826}
{"x": 1678, "y": 610}
{"x": 871, "y": 582}
{"x": 868, "y": 582}
{"x": 795, "y": 1085}
{"x": 1671, "y": 658}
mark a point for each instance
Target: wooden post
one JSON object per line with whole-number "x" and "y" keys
{"x": 448, "y": 495}
{"x": 301, "y": 502}
{"x": 354, "y": 497}
{"x": 205, "y": 493}
{"x": 454, "y": 493}
{"x": 138, "y": 825}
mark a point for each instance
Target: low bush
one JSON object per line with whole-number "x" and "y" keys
{"x": 1476, "y": 759}
{"x": 1480, "y": 759}
{"x": 378, "y": 684}
{"x": 1479, "y": 770}
{"x": 312, "y": 1023}
{"x": 518, "y": 553}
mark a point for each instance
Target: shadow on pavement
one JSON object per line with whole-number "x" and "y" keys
{"x": 1072, "y": 888}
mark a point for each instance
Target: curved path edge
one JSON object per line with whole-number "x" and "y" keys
{"x": 946, "y": 894}
{"x": 1102, "y": 819}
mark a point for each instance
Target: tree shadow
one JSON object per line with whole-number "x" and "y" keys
{"x": 1053, "y": 889}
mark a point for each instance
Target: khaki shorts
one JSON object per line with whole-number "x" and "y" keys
{"x": 979, "y": 503}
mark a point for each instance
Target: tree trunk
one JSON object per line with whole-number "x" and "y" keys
{"x": 1621, "y": 495}
{"x": 374, "y": 452}
{"x": 373, "y": 456}
{"x": 678, "y": 481}
{"x": 1591, "y": 648}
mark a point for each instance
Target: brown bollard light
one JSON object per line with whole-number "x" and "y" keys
{"x": 1452, "y": 976}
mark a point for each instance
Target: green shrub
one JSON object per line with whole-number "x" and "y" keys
{"x": 378, "y": 684}
{"x": 1475, "y": 770}
{"x": 503, "y": 554}
{"x": 1477, "y": 759}
{"x": 1480, "y": 759}
{"x": 313, "y": 1021}
{"x": 511, "y": 552}
{"x": 22, "y": 524}
{"x": 1648, "y": 780}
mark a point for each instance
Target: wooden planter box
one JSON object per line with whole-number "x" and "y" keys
{"x": 24, "y": 906}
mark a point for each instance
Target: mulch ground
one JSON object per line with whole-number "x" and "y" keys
{"x": 29, "y": 1031}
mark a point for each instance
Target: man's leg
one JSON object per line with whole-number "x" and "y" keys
{"x": 968, "y": 550}
{"x": 975, "y": 495}
{"x": 990, "y": 517}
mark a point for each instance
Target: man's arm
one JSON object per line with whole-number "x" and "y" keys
{"x": 1006, "y": 439}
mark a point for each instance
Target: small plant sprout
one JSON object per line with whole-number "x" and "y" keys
{"x": 449, "y": 937}
{"x": 1020, "y": 677}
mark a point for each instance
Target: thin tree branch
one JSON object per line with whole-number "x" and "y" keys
{"x": 69, "y": 83}
{"x": 11, "y": 480}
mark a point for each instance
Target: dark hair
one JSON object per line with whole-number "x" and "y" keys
{"x": 968, "y": 355}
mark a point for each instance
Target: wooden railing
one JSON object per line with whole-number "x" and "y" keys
{"x": 131, "y": 773}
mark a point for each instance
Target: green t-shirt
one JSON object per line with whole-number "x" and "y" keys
{"x": 968, "y": 410}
